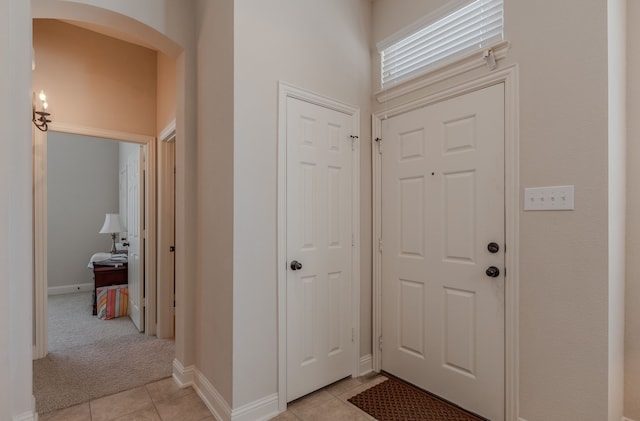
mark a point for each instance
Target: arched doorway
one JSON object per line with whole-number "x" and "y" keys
{"x": 126, "y": 22}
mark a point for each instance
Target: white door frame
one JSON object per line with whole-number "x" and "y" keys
{"x": 166, "y": 224}
{"x": 288, "y": 91}
{"x": 508, "y": 76}
{"x": 40, "y": 225}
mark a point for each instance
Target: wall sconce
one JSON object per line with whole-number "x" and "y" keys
{"x": 40, "y": 117}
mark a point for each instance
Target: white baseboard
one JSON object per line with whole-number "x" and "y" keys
{"x": 70, "y": 289}
{"x": 366, "y": 364}
{"x": 27, "y": 416}
{"x": 182, "y": 375}
{"x": 262, "y": 409}
{"x": 218, "y": 406}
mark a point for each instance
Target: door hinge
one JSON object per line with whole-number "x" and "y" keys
{"x": 172, "y": 249}
{"x": 379, "y": 142}
{"x": 380, "y": 245}
{"x": 353, "y": 334}
{"x": 353, "y": 240}
{"x": 380, "y": 343}
{"x": 353, "y": 141}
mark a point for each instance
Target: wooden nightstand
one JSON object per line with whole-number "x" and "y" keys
{"x": 107, "y": 275}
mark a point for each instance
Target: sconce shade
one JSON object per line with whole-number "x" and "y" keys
{"x": 111, "y": 224}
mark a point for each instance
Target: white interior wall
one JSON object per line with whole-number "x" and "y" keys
{"x": 617, "y": 76}
{"x": 16, "y": 281}
{"x": 632, "y": 292}
{"x": 322, "y": 47}
{"x": 82, "y": 186}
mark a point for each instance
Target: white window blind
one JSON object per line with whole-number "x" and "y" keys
{"x": 473, "y": 26}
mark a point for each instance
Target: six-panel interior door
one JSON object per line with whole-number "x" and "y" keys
{"x": 135, "y": 236}
{"x": 319, "y": 230}
{"x": 442, "y": 204}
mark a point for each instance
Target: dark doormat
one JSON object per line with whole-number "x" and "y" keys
{"x": 395, "y": 400}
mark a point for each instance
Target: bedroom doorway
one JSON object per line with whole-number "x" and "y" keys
{"x": 77, "y": 180}
{"x": 43, "y": 244}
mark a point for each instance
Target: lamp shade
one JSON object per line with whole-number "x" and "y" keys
{"x": 111, "y": 224}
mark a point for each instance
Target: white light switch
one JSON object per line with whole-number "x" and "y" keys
{"x": 548, "y": 198}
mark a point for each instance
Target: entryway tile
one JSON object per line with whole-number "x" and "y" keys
{"x": 286, "y": 416}
{"x": 332, "y": 410}
{"x": 310, "y": 401}
{"x": 147, "y": 414}
{"x": 123, "y": 403}
{"x": 345, "y": 385}
{"x": 183, "y": 408}
{"x": 166, "y": 389}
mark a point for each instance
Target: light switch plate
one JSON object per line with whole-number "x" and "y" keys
{"x": 548, "y": 198}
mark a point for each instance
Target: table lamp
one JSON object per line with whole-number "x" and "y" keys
{"x": 112, "y": 226}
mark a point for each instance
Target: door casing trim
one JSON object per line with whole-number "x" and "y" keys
{"x": 509, "y": 77}
{"x": 286, "y": 91}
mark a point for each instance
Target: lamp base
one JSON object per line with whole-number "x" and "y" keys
{"x": 113, "y": 243}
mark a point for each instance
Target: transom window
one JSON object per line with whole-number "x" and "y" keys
{"x": 460, "y": 28}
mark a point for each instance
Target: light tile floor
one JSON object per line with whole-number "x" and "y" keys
{"x": 158, "y": 401}
{"x": 330, "y": 403}
{"x": 164, "y": 401}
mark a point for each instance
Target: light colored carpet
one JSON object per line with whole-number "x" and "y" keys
{"x": 89, "y": 358}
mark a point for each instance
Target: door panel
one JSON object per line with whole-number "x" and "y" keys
{"x": 135, "y": 230}
{"x": 442, "y": 203}
{"x": 319, "y": 331}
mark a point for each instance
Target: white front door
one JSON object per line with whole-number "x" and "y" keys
{"x": 135, "y": 236}
{"x": 319, "y": 240}
{"x": 442, "y": 205}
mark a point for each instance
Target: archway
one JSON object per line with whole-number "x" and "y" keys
{"x": 149, "y": 25}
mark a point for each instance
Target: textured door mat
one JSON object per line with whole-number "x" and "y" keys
{"x": 395, "y": 400}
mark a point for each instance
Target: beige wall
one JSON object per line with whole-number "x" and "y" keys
{"x": 165, "y": 91}
{"x": 95, "y": 81}
{"x": 214, "y": 260}
{"x": 564, "y": 264}
{"x": 564, "y": 291}
{"x": 632, "y": 295}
